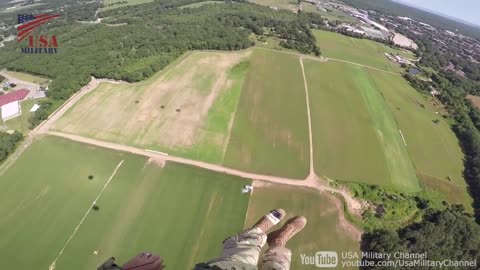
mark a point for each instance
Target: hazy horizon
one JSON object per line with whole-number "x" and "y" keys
{"x": 465, "y": 10}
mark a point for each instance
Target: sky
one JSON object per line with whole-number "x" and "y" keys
{"x": 467, "y": 10}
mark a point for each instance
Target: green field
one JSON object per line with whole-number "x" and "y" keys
{"x": 176, "y": 211}
{"x": 325, "y": 229}
{"x": 356, "y": 137}
{"x": 291, "y": 5}
{"x": 433, "y": 147}
{"x": 361, "y": 51}
{"x": 270, "y": 131}
{"x": 44, "y": 196}
{"x": 340, "y": 120}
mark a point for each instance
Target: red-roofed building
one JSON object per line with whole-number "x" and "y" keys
{"x": 10, "y": 105}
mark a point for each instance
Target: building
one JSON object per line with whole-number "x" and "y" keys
{"x": 10, "y": 103}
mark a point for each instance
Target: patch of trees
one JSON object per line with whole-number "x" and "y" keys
{"x": 153, "y": 36}
{"x": 8, "y": 143}
{"x": 443, "y": 235}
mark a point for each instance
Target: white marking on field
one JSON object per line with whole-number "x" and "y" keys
{"x": 401, "y": 134}
{"x": 158, "y": 152}
{"x": 53, "y": 264}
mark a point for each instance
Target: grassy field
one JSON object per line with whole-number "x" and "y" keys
{"x": 433, "y": 147}
{"x": 186, "y": 109}
{"x": 199, "y": 4}
{"x": 325, "y": 229}
{"x": 270, "y": 131}
{"x": 340, "y": 120}
{"x": 44, "y": 196}
{"x": 20, "y": 123}
{"x": 108, "y": 3}
{"x": 291, "y": 5}
{"x": 362, "y": 51}
{"x": 355, "y": 135}
{"x": 28, "y": 77}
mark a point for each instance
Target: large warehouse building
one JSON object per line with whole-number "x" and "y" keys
{"x": 10, "y": 103}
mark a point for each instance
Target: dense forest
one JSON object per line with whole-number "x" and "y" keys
{"x": 8, "y": 143}
{"x": 134, "y": 42}
{"x": 443, "y": 235}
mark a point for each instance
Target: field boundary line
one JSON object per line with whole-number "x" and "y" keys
{"x": 53, "y": 264}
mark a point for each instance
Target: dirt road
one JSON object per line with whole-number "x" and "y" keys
{"x": 310, "y": 182}
{"x": 311, "y": 175}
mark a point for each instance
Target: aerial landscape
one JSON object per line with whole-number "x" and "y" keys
{"x": 166, "y": 126}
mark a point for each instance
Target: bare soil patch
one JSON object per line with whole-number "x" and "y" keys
{"x": 168, "y": 110}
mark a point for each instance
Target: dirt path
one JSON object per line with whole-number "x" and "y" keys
{"x": 310, "y": 182}
{"x": 311, "y": 175}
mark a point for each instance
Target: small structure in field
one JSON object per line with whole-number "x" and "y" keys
{"x": 10, "y": 103}
{"x": 247, "y": 189}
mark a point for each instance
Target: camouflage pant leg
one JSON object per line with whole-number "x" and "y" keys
{"x": 244, "y": 248}
{"x": 277, "y": 258}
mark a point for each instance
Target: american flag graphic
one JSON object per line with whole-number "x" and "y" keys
{"x": 28, "y": 23}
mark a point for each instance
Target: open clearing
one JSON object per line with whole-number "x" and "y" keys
{"x": 199, "y": 4}
{"x": 326, "y": 227}
{"x": 362, "y": 51}
{"x": 45, "y": 194}
{"x": 270, "y": 131}
{"x": 21, "y": 123}
{"x": 111, "y": 4}
{"x": 475, "y": 100}
{"x": 186, "y": 110}
{"x": 290, "y": 5}
{"x": 28, "y": 77}
{"x": 355, "y": 135}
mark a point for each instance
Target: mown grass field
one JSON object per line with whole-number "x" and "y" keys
{"x": 346, "y": 145}
{"x": 45, "y": 194}
{"x": 270, "y": 130}
{"x": 361, "y": 51}
{"x": 186, "y": 109}
{"x": 433, "y": 147}
{"x": 290, "y": 5}
{"x": 326, "y": 229}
